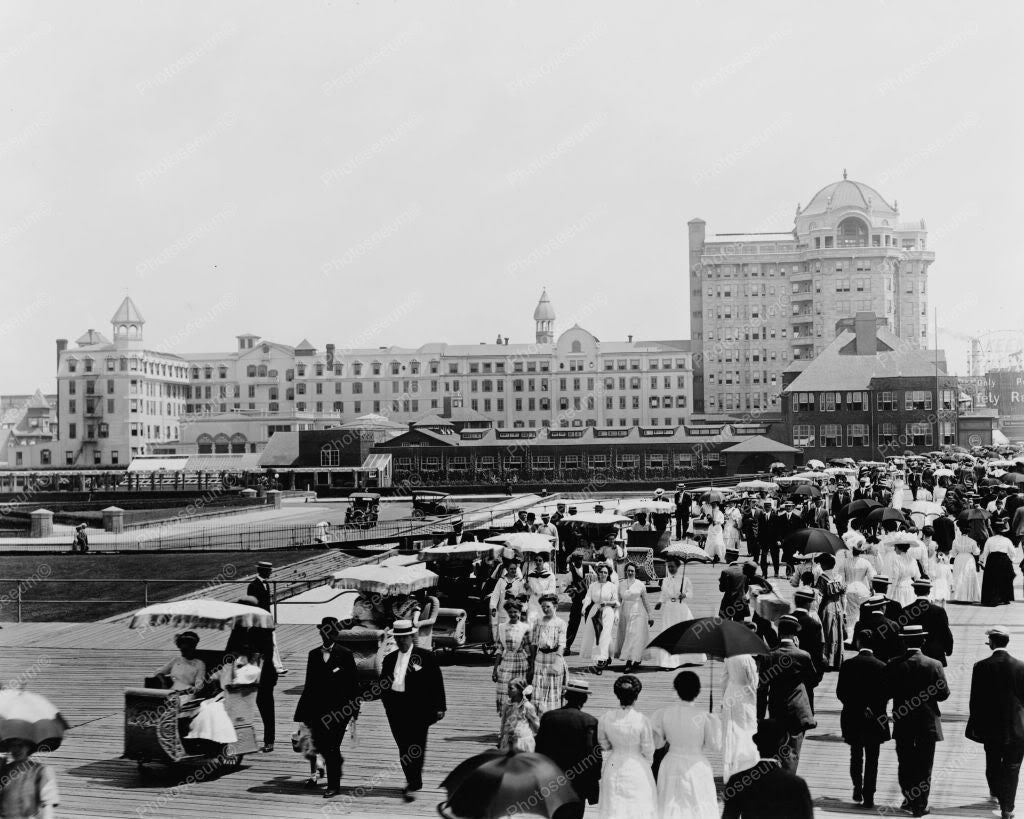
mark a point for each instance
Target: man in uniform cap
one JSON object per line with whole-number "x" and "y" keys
{"x": 787, "y": 674}
{"x": 916, "y": 684}
{"x": 933, "y": 619}
{"x": 997, "y": 718}
{"x": 568, "y": 736}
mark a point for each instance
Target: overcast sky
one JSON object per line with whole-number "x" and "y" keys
{"x": 401, "y": 172}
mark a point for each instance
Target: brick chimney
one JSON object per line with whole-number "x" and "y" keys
{"x": 62, "y": 345}
{"x": 864, "y": 328}
{"x": 330, "y": 356}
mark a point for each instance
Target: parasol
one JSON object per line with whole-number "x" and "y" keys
{"x": 814, "y": 463}
{"x": 814, "y": 541}
{"x": 460, "y": 551}
{"x": 386, "y": 580}
{"x": 860, "y": 507}
{"x": 715, "y": 636}
{"x": 687, "y": 552}
{"x": 712, "y": 496}
{"x": 494, "y": 784}
{"x": 974, "y": 514}
{"x": 526, "y": 542}
{"x": 885, "y": 514}
{"x": 202, "y": 613}
{"x": 806, "y": 490}
{"x": 777, "y": 465}
{"x": 28, "y": 716}
{"x": 631, "y": 507}
{"x": 757, "y": 486}
{"x": 943, "y": 473}
{"x": 1013, "y": 477}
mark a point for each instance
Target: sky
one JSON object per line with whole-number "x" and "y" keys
{"x": 378, "y": 173}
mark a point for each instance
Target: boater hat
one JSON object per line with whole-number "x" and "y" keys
{"x": 922, "y": 585}
{"x": 402, "y": 628}
{"x": 264, "y": 564}
{"x": 1002, "y": 631}
{"x": 913, "y": 632}
{"x": 577, "y": 686}
{"x": 804, "y": 594}
{"x": 880, "y": 580}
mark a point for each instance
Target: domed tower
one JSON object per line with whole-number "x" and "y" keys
{"x": 127, "y": 323}
{"x": 544, "y": 316}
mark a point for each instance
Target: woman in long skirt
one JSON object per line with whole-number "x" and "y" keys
{"x": 548, "y": 642}
{"x": 540, "y": 581}
{"x": 599, "y": 617}
{"x": 676, "y": 588}
{"x": 997, "y": 577}
{"x": 731, "y": 526}
{"x": 857, "y": 574}
{"x": 941, "y": 575}
{"x": 966, "y": 581}
{"x": 715, "y": 543}
{"x": 635, "y": 620}
{"x": 903, "y": 571}
{"x": 686, "y": 783}
{"x": 627, "y": 745}
{"x": 831, "y": 611}
{"x": 514, "y": 647}
{"x": 519, "y": 720}
{"x": 739, "y": 714}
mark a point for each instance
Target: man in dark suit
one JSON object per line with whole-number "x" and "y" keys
{"x": 260, "y": 585}
{"x": 840, "y": 500}
{"x": 767, "y": 790}
{"x": 733, "y": 585}
{"x": 879, "y": 588}
{"x": 788, "y": 523}
{"x": 933, "y": 619}
{"x": 413, "y": 695}
{"x": 329, "y": 701}
{"x": 576, "y": 587}
{"x": 787, "y": 673}
{"x": 864, "y": 491}
{"x": 568, "y": 737}
{"x": 878, "y": 632}
{"x": 753, "y": 519}
{"x": 260, "y": 640}
{"x": 863, "y": 721}
{"x": 945, "y": 533}
{"x": 916, "y": 684}
{"x": 810, "y": 637}
{"x": 997, "y": 718}
{"x": 682, "y": 513}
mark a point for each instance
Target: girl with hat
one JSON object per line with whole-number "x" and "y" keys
{"x": 831, "y": 610}
{"x": 903, "y": 570}
{"x": 519, "y": 719}
{"x": 548, "y": 642}
{"x": 858, "y": 573}
{"x": 186, "y": 673}
{"x": 512, "y": 659}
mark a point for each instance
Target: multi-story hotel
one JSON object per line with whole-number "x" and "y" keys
{"x": 118, "y": 399}
{"x": 761, "y": 300}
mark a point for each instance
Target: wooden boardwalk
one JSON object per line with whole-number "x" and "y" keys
{"x": 84, "y": 668}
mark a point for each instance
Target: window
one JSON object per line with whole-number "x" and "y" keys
{"x": 947, "y": 401}
{"x": 856, "y": 401}
{"x": 919, "y": 434}
{"x": 947, "y": 432}
{"x": 886, "y": 402}
{"x": 842, "y": 285}
{"x": 330, "y": 456}
{"x": 803, "y": 402}
{"x": 857, "y": 435}
{"x": 831, "y": 435}
{"x": 72, "y": 430}
{"x": 828, "y": 401}
{"x": 803, "y": 435}
{"x": 917, "y": 400}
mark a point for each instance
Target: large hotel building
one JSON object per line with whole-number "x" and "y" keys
{"x": 760, "y": 301}
{"x": 118, "y": 399}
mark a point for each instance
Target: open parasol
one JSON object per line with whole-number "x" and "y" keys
{"x": 885, "y": 514}
{"x": 712, "y": 496}
{"x": 687, "y": 552}
{"x": 631, "y": 507}
{"x": 384, "y": 579}
{"x": 202, "y": 613}
{"x": 860, "y": 507}
{"x": 525, "y": 542}
{"x": 460, "y": 551}
{"x": 814, "y": 541}
{"x": 806, "y": 490}
{"x": 814, "y": 463}
{"x": 28, "y": 716}
{"x": 495, "y": 784}
{"x": 757, "y": 486}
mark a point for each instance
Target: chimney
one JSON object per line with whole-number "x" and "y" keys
{"x": 330, "y": 356}
{"x": 864, "y": 327}
{"x": 62, "y": 345}
{"x": 411, "y": 424}
{"x": 630, "y": 338}
{"x": 506, "y": 341}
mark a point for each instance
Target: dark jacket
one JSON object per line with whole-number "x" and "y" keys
{"x": 884, "y": 637}
{"x": 766, "y": 791}
{"x": 812, "y": 639}
{"x": 787, "y": 674}
{"x": 939, "y": 643}
{"x": 945, "y": 533}
{"x": 424, "y": 685}
{"x": 733, "y": 585}
{"x": 861, "y": 690}
{"x": 767, "y": 533}
{"x": 258, "y": 639}
{"x": 890, "y": 608}
{"x": 916, "y": 684}
{"x": 330, "y": 690}
{"x": 568, "y": 737}
{"x": 997, "y": 700}
{"x": 787, "y": 525}
{"x": 259, "y": 589}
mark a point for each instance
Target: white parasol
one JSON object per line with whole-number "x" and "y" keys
{"x": 591, "y": 518}
{"x": 202, "y": 613}
{"x": 757, "y": 486}
{"x": 386, "y": 580}
{"x": 460, "y": 551}
{"x": 526, "y": 542}
{"x": 28, "y": 716}
{"x": 631, "y": 507}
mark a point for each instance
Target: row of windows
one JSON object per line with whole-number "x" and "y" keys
{"x": 657, "y": 460}
{"x": 97, "y": 457}
{"x": 885, "y": 401}
{"x": 831, "y": 435}
{"x": 133, "y": 364}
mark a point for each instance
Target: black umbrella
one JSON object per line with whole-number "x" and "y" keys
{"x": 812, "y": 541}
{"x": 860, "y": 507}
{"x": 806, "y": 490}
{"x": 714, "y": 636}
{"x": 492, "y": 785}
{"x": 883, "y": 514}
{"x": 974, "y": 514}
{"x": 1012, "y": 477}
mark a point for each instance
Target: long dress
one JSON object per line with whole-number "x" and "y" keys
{"x": 604, "y": 597}
{"x": 941, "y": 574}
{"x": 997, "y": 559}
{"x": 514, "y": 642}
{"x": 966, "y": 582}
{"x": 627, "y": 784}
{"x": 686, "y": 782}
{"x": 538, "y": 584}
{"x": 832, "y": 611}
{"x": 715, "y": 544}
{"x": 519, "y": 724}
{"x": 674, "y": 610}
{"x": 739, "y": 715}
{"x": 731, "y": 528}
{"x": 634, "y": 633}
{"x": 903, "y": 571}
{"x": 549, "y": 666}
{"x": 857, "y": 574}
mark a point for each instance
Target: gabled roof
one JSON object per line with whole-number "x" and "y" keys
{"x": 432, "y": 421}
{"x": 127, "y": 313}
{"x": 761, "y": 444}
{"x": 464, "y": 414}
{"x": 38, "y": 401}
{"x": 281, "y": 450}
{"x": 305, "y": 345}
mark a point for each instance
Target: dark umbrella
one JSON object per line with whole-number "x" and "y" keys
{"x": 883, "y": 514}
{"x": 806, "y": 490}
{"x": 974, "y": 514}
{"x": 811, "y": 541}
{"x": 714, "y": 636}
{"x": 860, "y": 507}
{"x": 989, "y": 482}
{"x": 492, "y": 785}
{"x": 1013, "y": 477}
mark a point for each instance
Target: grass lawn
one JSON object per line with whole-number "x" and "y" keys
{"x": 188, "y": 572}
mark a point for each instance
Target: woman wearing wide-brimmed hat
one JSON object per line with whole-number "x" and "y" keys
{"x": 185, "y": 673}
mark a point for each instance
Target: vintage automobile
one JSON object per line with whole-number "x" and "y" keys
{"x": 433, "y": 504}
{"x": 363, "y": 510}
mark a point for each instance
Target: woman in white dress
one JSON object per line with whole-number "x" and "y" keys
{"x": 857, "y": 574}
{"x": 715, "y": 544}
{"x": 733, "y": 519}
{"x": 686, "y": 783}
{"x": 676, "y": 588}
{"x": 600, "y": 617}
{"x": 627, "y": 745}
{"x": 539, "y": 582}
{"x": 903, "y": 571}
{"x": 739, "y": 714}
{"x": 966, "y": 581}
{"x": 635, "y": 620}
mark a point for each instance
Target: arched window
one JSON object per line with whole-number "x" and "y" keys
{"x": 221, "y": 443}
{"x": 250, "y": 371}
{"x": 204, "y": 444}
{"x": 576, "y": 347}
{"x": 852, "y": 232}
{"x": 238, "y": 442}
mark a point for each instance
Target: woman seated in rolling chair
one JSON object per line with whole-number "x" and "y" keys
{"x": 186, "y": 673}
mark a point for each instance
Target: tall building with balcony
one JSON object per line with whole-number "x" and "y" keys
{"x": 762, "y": 300}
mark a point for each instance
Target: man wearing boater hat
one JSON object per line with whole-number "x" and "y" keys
{"x": 787, "y": 674}
{"x": 876, "y": 631}
{"x": 916, "y": 684}
{"x": 568, "y": 736}
{"x": 259, "y": 588}
{"x": 933, "y": 619}
{"x": 811, "y": 636}
{"x": 879, "y": 586}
